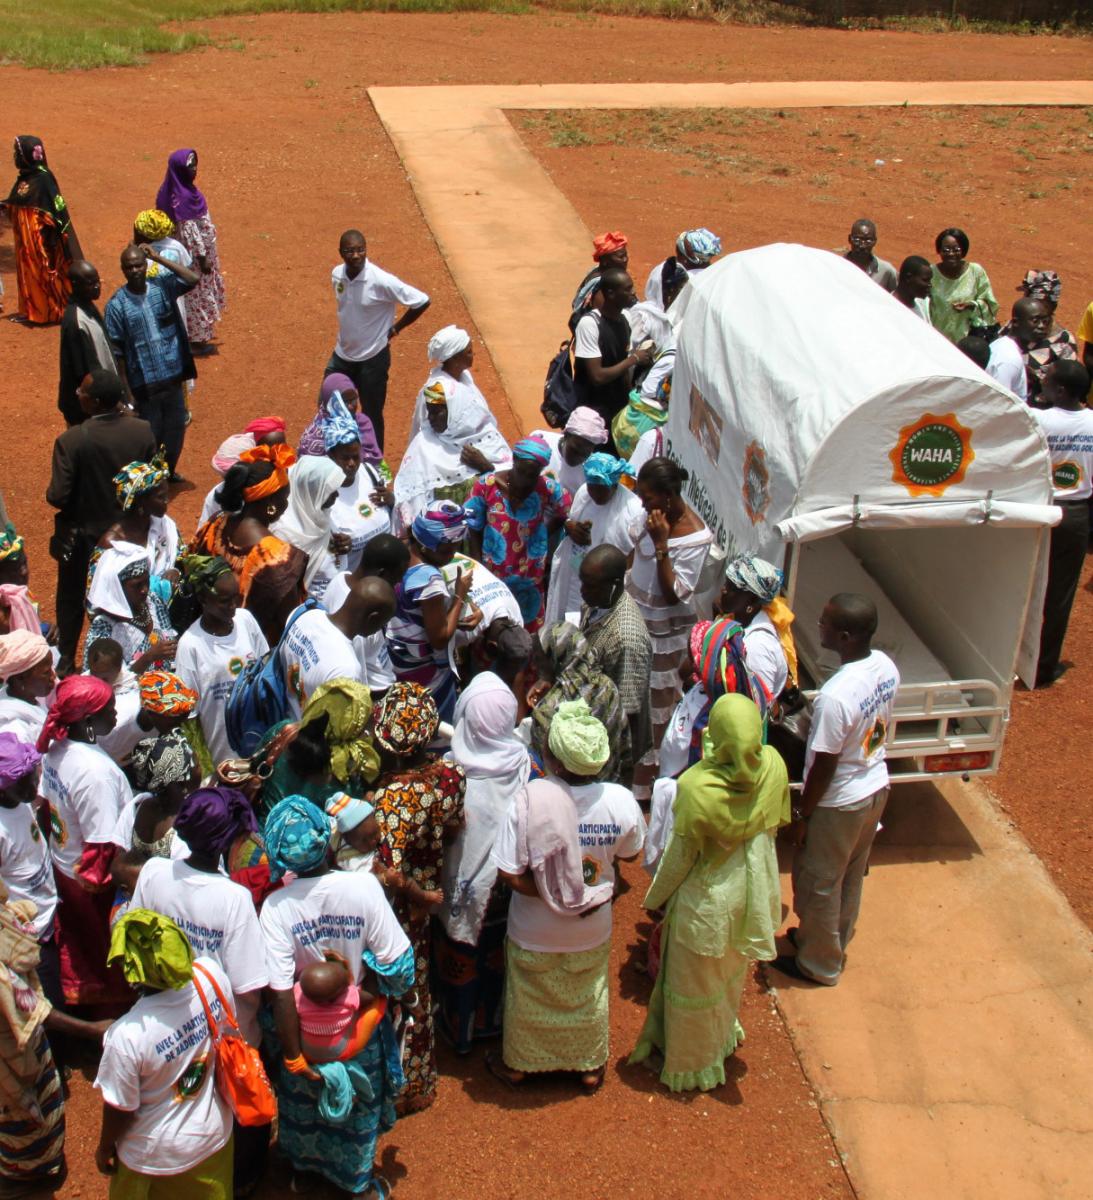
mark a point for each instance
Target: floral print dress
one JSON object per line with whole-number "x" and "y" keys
{"x": 515, "y": 541}
{"x": 208, "y": 300}
{"x": 413, "y": 810}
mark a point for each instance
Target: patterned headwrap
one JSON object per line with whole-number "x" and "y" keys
{"x": 755, "y": 575}
{"x": 1042, "y": 285}
{"x": 444, "y": 521}
{"x": 157, "y": 762}
{"x": 578, "y": 739}
{"x": 447, "y": 343}
{"x": 137, "y": 479}
{"x": 154, "y": 224}
{"x": 282, "y": 457}
{"x": 348, "y": 812}
{"x": 587, "y": 423}
{"x": 17, "y": 759}
{"x": 607, "y": 243}
{"x": 533, "y": 449}
{"x": 297, "y": 835}
{"x": 723, "y": 665}
{"x": 77, "y": 697}
{"x": 698, "y": 635}
{"x": 19, "y": 651}
{"x": 163, "y": 692}
{"x": 210, "y": 819}
{"x": 339, "y": 424}
{"x": 606, "y": 469}
{"x": 201, "y": 571}
{"x": 264, "y": 426}
{"x": 11, "y": 544}
{"x": 698, "y": 246}
{"x": 228, "y": 452}
{"x": 434, "y": 393}
{"x": 406, "y": 718}
{"x": 153, "y": 951}
{"x": 347, "y": 706}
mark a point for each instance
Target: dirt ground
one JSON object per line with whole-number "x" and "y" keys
{"x": 291, "y": 155}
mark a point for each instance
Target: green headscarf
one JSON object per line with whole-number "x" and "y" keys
{"x": 347, "y": 706}
{"x": 154, "y": 952}
{"x": 578, "y": 740}
{"x": 201, "y": 571}
{"x": 740, "y": 787}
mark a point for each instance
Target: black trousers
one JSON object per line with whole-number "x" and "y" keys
{"x": 71, "y": 587}
{"x": 1069, "y": 543}
{"x": 370, "y": 378}
{"x": 163, "y": 406}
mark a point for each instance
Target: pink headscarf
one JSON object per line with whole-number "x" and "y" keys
{"x": 20, "y": 650}
{"x": 229, "y": 450}
{"x": 264, "y": 426}
{"x": 76, "y": 698}
{"x": 587, "y": 423}
{"x": 14, "y": 598}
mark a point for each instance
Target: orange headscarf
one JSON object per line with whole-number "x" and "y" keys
{"x": 607, "y": 243}
{"x": 282, "y": 457}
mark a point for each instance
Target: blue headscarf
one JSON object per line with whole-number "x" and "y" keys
{"x": 606, "y": 469}
{"x": 698, "y": 246}
{"x": 444, "y": 521}
{"x": 339, "y": 425}
{"x": 755, "y": 575}
{"x": 297, "y": 836}
{"x": 532, "y": 448}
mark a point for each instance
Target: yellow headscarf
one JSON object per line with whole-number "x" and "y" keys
{"x": 154, "y": 952}
{"x": 781, "y": 617}
{"x": 348, "y": 707}
{"x": 740, "y": 787}
{"x": 154, "y": 224}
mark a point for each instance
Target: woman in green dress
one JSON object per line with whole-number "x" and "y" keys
{"x": 961, "y": 299}
{"x": 718, "y": 881}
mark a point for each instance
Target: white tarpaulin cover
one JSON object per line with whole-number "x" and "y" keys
{"x": 800, "y": 384}
{"x": 805, "y": 396}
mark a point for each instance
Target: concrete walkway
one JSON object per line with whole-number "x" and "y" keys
{"x": 482, "y": 190}
{"x": 954, "y": 1059}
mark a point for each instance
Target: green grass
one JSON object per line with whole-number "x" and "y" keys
{"x": 81, "y": 34}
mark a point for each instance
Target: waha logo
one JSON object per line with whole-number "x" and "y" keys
{"x": 932, "y": 454}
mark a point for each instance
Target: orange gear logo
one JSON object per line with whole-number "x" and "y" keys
{"x": 756, "y": 487}
{"x": 932, "y": 454}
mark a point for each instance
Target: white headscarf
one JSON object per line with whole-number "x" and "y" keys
{"x": 497, "y": 766}
{"x": 306, "y": 524}
{"x": 432, "y": 460}
{"x": 106, "y": 594}
{"x": 447, "y": 343}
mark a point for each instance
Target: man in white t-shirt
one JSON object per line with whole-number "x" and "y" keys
{"x": 319, "y": 645}
{"x": 845, "y": 791}
{"x": 384, "y": 557}
{"x": 1006, "y": 365}
{"x": 367, "y": 299}
{"x": 1068, "y": 425}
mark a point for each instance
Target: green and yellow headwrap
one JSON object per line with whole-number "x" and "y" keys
{"x": 11, "y": 544}
{"x": 347, "y": 706}
{"x": 201, "y": 571}
{"x": 154, "y": 224}
{"x": 154, "y": 952}
{"x": 578, "y": 739}
{"x": 137, "y": 479}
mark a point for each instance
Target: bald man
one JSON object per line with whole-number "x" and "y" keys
{"x": 84, "y": 344}
{"x": 845, "y": 791}
{"x": 1031, "y": 327}
{"x": 319, "y": 646}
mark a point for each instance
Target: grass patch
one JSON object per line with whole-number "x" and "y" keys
{"x": 82, "y": 34}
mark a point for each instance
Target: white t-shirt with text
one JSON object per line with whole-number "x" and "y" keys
{"x": 371, "y": 650}
{"x": 1070, "y": 441}
{"x": 313, "y": 652}
{"x": 25, "y": 864}
{"x": 86, "y": 791}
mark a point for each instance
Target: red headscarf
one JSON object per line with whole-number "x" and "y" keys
{"x": 608, "y": 243}
{"x": 266, "y": 425}
{"x": 76, "y": 698}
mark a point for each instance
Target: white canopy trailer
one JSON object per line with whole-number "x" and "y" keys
{"x": 829, "y": 429}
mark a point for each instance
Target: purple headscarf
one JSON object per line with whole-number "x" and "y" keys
{"x": 178, "y": 195}
{"x": 16, "y": 759}
{"x": 311, "y": 440}
{"x": 210, "y": 819}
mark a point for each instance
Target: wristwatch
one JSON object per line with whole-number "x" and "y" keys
{"x": 661, "y": 555}
{"x": 797, "y": 812}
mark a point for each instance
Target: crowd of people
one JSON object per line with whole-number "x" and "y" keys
{"x": 352, "y": 764}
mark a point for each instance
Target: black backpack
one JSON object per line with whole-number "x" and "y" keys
{"x": 560, "y": 389}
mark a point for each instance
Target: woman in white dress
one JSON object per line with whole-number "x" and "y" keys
{"x": 603, "y": 513}
{"x": 455, "y": 435}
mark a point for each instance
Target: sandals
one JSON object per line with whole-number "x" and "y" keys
{"x": 496, "y": 1067}
{"x": 592, "y": 1081}
{"x": 378, "y": 1186}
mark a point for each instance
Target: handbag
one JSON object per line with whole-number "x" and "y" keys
{"x": 240, "y": 1077}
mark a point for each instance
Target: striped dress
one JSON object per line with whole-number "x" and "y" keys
{"x": 669, "y": 626}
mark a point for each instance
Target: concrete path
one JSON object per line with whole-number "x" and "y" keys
{"x": 482, "y": 191}
{"x": 955, "y": 1057}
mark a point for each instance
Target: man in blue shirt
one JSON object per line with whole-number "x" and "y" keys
{"x": 149, "y": 340}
